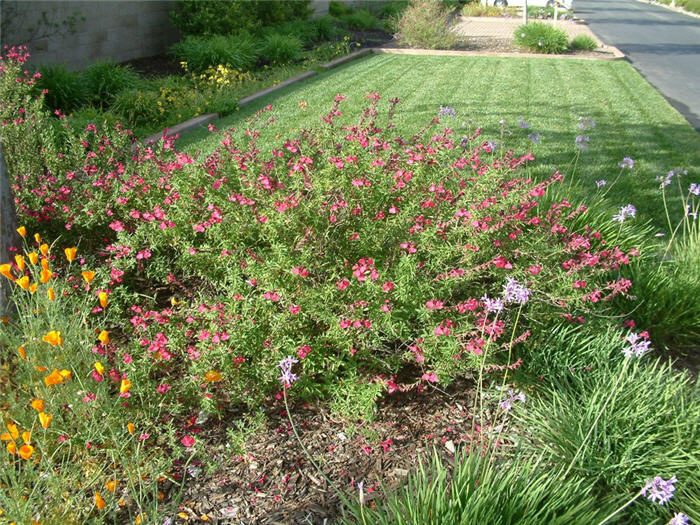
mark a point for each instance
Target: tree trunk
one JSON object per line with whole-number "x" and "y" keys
{"x": 8, "y": 232}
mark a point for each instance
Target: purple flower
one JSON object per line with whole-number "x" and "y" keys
{"x": 600, "y": 183}
{"x": 492, "y": 305}
{"x": 523, "y": 124}
{"x": 447, "y": 111}
{"x": 659, "y": 490}
{"x": 585, "y": 123}
{"x": 287, "y": 377}
{"x": 534, "y": 137}
{"x": 507, "y": 403}
{"x": 514, "y": 292}
{"x": 582, "y": 141}
{"x": 689, "y": 213}
{"x": 626, "y": 163}
{"x": 491, "y": 146}
{"x": 625, "y": 211}
{"x": 638, "y": 345}
{"x": 694, "y": 189}
{"x": 679, "y": 519}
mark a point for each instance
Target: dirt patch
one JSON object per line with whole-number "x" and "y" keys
{"x": 275, "y": 483}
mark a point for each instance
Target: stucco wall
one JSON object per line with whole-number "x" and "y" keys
{"x": 120, "y": 30}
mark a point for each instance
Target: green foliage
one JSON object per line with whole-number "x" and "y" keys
{"x": 650, "y": 427}
{"x": 139, "y": 107}
{"x": 478, "y": 489}
{"x": 281, "y": 49}
{"x": 66, "y": 89}
{"x": 105, "y": 80}
{"x": 325, "y": 28}
{"x": 225, "y": 17}
{"x": 584, "y": 42}
{"x": 356, "y": 399}
{"x": 479, "y": 9}
{"x": 239, "y": 52}
{"x": 361, "y": 20}
{"x": 336, "y": 8}
{"x": 540, "y": 37}
{"x": 303, "y": 30}
{"x": 547, "y": 13}
{"x": 393, "y": 9}
{"x": 425, "y": 24}
{"x": 104, "y": 119}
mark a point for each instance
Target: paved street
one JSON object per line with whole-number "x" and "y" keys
{"x": 664, "y": 46}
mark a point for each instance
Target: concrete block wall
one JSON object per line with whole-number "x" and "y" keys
{"x": 117, "y": 30}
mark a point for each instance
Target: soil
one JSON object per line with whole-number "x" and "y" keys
{"x": 275, "y": 483}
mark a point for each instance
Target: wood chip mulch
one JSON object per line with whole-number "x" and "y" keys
{"x": 275, "y": 483}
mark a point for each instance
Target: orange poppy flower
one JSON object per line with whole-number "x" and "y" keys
{"x": 11, "y": 447}
{"x": 6, "y": 270}
{"x": 54, "y": 378}
{"x": 33, "y": 257}
{"x": 26, "y": 451}
{"x": 33, "y": 288}
{"x": 38, "y": 405}
{"x": 100, "y": 369}
{"x": 65, "y": 374}
{"x": 45, "y": 419}
{"x": 70, "y": 253}
{"x": 53, "y": 338}
{"x": 41, "y": 369}
{"x": 27, "y": 437}
{"x": 14, "y": 430}
{"x": 99, "y": 502}
{"x": 44, "y": 249}
{"x": 51, "y": 294}
{"x": 125, "y": 386}
{"x": 45, "y": 264}
{"x": 37, "y": 237}
{"x": 45, "y": 276}
{"x": 212, "y": 376}
{"x": 88, "y": 276}
{"x": 103, "y": 299}
{"x": 22, "y": 353}
{"x": 22, "y": 231}
{"x": 104, "y": 337}
{"x": 19, "y": 260}
{"x": 23, "y": 282}
{"x": 111, "y": 486}
{"x": 130, "y": 427}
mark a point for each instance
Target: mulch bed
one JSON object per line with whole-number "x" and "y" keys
{"x": 274, "y": 483}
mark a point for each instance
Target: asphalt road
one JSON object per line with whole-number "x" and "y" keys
{"x": 663, "y": 45}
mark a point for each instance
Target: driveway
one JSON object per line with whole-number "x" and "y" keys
{"x": 663, "y": 45}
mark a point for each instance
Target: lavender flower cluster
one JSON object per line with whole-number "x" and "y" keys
{"x": 660, "y": 490}
{"x": 447, "y": 111}
{"x": 287, "y": 377}
{"x": 507, "y": 403}
{"x": 626, "y": 163}
{"x": 626, "y": 211}
{"x": 514, "y": 292}
{"x": 638, "y": 346}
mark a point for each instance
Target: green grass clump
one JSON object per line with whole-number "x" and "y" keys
{"x": 239, "y": 52}
{"x": 105, "y": 80}
{"x": 66, "y": 89}
{"x": 281, "y": 49}
{"x": 425, "y": 24}
{"x": 336, "y": 8}
{"x": 518, "y": 490}
{"x": 361, "y": 20}
{"x": 541, "y": 37}
{"x": 584, "y": 42}
{"x": 478, "y": 9}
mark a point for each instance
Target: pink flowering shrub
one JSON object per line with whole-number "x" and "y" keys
{"x": 359, "y": 251}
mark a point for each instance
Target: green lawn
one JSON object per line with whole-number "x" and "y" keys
{"x": 632, "y": 118}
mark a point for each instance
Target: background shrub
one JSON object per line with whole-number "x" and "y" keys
{"x": 105, "y": 80}
{"x": 584, "y": 42}
{"x": 66, "y": 89}
{"x": 104, "y": 119}
{"x": 425, "y": 24}
{"x": 224, "y": 17}
{"x": 541, "y": 37}
{"x": 339, "y": 9}
{"x": 362, "y": 20}
{"x": 280, "y": 49}
{"x": 238, "y": 52}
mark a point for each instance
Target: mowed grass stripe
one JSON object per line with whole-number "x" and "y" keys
{"x": 632, "y": 118}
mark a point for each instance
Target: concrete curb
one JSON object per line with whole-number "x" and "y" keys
{"x": 616, "y": 54}
{"x": 677, "y": 9}
{"x": 346, "y": 58}
{"x": 259, "y": 94}
{"x": 182, "y": 128}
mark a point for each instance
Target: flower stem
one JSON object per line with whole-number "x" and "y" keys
{"x": 595, "y": 423}
{"x": 621, "y": 508}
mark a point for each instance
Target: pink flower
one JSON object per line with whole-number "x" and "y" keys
{"x": 342, "y": 284}
{"x": 162, "y": 389}
{"x": 388, "y": 286}
{"x": 187, "y": 441}
{"x": 294, "y": 309}
{"x": 303, "y": 351}
{"x": 434, "y": 304}
{"x": 301, "y": 271}
{"x": 430, "y": 377}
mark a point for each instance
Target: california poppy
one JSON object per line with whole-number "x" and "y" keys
{"x": 44, "y": 249}
{"x": 26, "y": 451}
{"x": 11, "y": 447}
{"x": 51, "y": 294}
{"x": 6, "y": 270}
{"x": 104, "y": 337}
{"x": 19, "y": 261}
{"x": 70, "y": 253}
{"x": 53, "y": 338}
{"x": 88, "y": 275}
{"x": 212, "y": 376}
{"x": 22, "y": 231}
{"x": 23, "y": 282}
{"x": 33, "y": 287}
{"x": 12, "y": 434}
{"x": 45, "y": 419}
{"x": 26, "y": 437}
{"x": 33, "y": 257}
{"x": 65, "y": 374}
{"x": 54, "y": 378}
{"x": 99, "y": 502}
{"x": 130, "y": 428}
{"x": 125, "y": 386}
{"x": 111, "y": 486}
{"x": 103, "y": 299}
{"x": 37, "y": 237}
{"x": 22, "y": 353}
{"x": 38, "y": 405}
{"x": 45, "y": 264}
{"x": 45, "y": 275}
